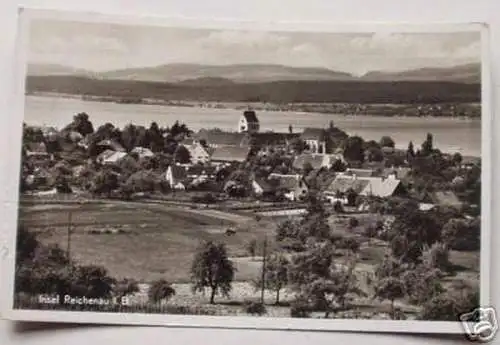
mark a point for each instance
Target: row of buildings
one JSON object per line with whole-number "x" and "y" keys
{"x": 210, "y": 151}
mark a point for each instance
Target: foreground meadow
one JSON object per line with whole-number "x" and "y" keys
{"x": 146, "y": 242}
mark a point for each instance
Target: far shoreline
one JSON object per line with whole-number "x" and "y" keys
{"x": 386, "y": 110}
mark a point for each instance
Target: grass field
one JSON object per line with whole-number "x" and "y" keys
{"x": 159, "y": 241}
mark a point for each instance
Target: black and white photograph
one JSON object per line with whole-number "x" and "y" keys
{"x": 276, "y": 176}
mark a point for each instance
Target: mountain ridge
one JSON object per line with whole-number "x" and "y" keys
{"x": 185, "y": 73}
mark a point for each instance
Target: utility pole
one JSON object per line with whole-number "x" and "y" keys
{"x": 68, "y": 248}
{"x": 263, "y": 279}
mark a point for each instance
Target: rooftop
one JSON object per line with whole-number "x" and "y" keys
{"x": 230, "y": 154}
{"x": 313, "y": 134}
{"x": 218, "y": 138}
{"x": 250, "y": 116}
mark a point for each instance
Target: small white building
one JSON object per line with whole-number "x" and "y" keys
{"x": 315, "y": 139}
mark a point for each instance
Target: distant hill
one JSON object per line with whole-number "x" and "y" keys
{"x": 195, "y": 74}
{"x": 54, "y": 69}
{"x": 250, "y": 73}
{"x": 352, "y": 91}
{"x": 470, "y": 73}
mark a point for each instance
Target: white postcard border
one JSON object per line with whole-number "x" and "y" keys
{"x": 10, "y": 201}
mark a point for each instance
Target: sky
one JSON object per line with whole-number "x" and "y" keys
{"x": 102, "y": 47}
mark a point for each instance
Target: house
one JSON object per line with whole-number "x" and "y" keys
{"x": 273, "y": 139}
{"x": 382, "y": 187}
{"x": 199, "y": 173}
{"x": 444, "y": 198}
{"x": 315, "y": 139}
{"x": 110, "y": 157}
{"x": 112, "y": 145}
{"x": 338, "y": 189}
{"x": 425, "y": 206}
{"x": 176, "y": 177}
{"x": 261, "y": 187}
{"x": 400, "y": 173}
{"x": 198, "y": 153}
{"x": 214, "y": 139}
{"x": 317, "y": 160}
{"x": 143, "y": 152}
{"x": 182, "y": 176}
{"x": 293, "y": 185}
{"x": 248, "y": 123}
{"x": 366, "y": 186}
{"x": 230, "y": 154}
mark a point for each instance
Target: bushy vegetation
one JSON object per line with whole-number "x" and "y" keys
{"x": 42, "y": 269}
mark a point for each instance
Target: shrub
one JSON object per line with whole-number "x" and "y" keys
{"x": 337, "y": 207}
{"x": 160, "y": 290}
{"x": 125, "y": 287}
{"x": 255, "y": 308}
{"x": 300, "y": 308}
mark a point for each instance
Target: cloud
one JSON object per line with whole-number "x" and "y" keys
{"x": 100, "y": 46}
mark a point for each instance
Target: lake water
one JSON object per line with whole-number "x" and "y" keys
{"x": 450, "y": 134}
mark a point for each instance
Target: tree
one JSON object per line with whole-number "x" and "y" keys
{"x": 179, "y": 129}
{"x": 410, "y": 152}
{"x": 449, "y": 306}
{"x": 160, "y": 290}
{"x": 411, "y": 231}
{"x": 460, "y": 234}
{"x": 155, "y": 138}
{"x": 182, "y": 155}
{"x": 387, "y": 141}
{"x": 105, "y": 181}
{"x": 26, "y": 244}
{"x": 319, "y": 281}
{"x": 275, "y": 275}
{"x": 212, "y": 269}
{"x": 427, "y": 145}
{"x": 338, "y": 166}
{"x": 125, "y": 287}
{"x": 129, "y": 137}
{"x": 375, "y": 154}
{"x": 354, "y": 149}
{"x": 422, "y": 283}
{"x": 81, "y": 124}
{"x": 457, "y": 158}
{"x": 351, "y": 196}
{"x": 91, "y": 281}
{"x": 390, "y": 288}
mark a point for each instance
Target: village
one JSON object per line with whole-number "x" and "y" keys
{"x": 213, "y": 165}
{"x": 144, "y": 199}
